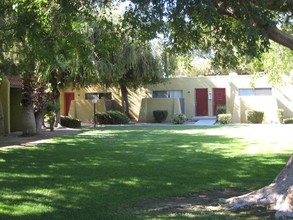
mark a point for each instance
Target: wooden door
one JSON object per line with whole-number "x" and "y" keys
{"x": 201, "y": 102}
{"x": 219, "y": 98}
{"x": 69, "y": 96}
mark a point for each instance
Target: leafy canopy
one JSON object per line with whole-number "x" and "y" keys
{"x": 230, "y": 29}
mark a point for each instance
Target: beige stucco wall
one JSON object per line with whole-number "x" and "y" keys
{"x": 84, "y": 109}
{"x": 135, "y": 99}
{"x": 230, "y": 83}
{"x": 282, "y": 96}
{"x": 266, "y": 104}
{"x": 149, "y": 105}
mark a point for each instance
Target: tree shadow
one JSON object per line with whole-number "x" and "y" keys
{"x": 93, "y": 174}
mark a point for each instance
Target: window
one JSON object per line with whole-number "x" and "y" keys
{"x": 105, "y": 95}
{"x": 255, "y": 92}
{"x": 168, "y": 94}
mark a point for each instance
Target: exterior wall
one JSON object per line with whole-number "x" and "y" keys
{"x": 141, "y": 106}
{"x": 5, "y": 99}
{"x": 149, "y": 105}
{"x": 83, "y": 109}
{"x": 236, "y": 105}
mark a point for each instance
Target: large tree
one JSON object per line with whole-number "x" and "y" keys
{"x": 229, "y": 30}
{"x": 131, "y": 66}
{"x": 40, "y": 36}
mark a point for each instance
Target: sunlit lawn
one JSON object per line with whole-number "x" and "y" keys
{"x": 107, "y": 172}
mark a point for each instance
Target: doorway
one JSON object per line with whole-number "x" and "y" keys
{"x": 201, "y": 102}
{"x": 219, "y": 95}
{"x": 69, "y": 96}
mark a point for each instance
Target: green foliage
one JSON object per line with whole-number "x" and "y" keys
{"x": 52, "y": 107}
{"x": 111, "y": 117}
{"x": 70, "y": 122}
{"x": 179, "y": 118}
{"x": 288, "y": 121}
{"x": 221, "y": 109}
{"x": 224, "y": 118}
{"x": 228, "y": 29}
{"x": 254, "y": 117}
{"x": 280, "y": 113}
{"x": 160, "y": 115}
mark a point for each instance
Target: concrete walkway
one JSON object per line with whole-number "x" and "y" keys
{"x": 206, "y": 122}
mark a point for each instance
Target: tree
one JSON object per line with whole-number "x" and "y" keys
{"x": 40, "y": 36}
{"x": 131, "y": 66}
{"x": 230, "y": 30}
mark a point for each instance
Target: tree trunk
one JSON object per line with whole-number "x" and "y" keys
{"x": 2, "y": 131}
{"x": 125, "y": 100}
{"x": 40, "y": 101}
{"x": 55, "y": 95}
{"x": 279, "y": 194}
{"x": 28, "y": 121}
{"x": 27, "y": 100}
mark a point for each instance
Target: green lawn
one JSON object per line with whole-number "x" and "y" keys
{"x": 107, "y": 172}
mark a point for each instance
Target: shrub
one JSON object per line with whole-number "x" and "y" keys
{"x": 288, "y": 121}
{"x": 280, "y": 115}
{"x": 254, "y": 117}
{"x": 221, "y": 109}
{"x": 160, "y": 115}
{"x": 70, "y": 122}
{"x": 179, "y": 118}
{"x": 224, "y": 118}
{"x": 111, "y": 117}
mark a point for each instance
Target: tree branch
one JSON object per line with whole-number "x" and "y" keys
{"x": 281, "y": 37}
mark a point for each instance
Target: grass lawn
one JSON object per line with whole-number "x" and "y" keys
{"x": 110, "y": 172}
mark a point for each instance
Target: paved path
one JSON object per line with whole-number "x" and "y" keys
{"x": 15, "y": 140}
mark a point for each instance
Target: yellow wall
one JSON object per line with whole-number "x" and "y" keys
{"x": 84, "y": 109}
{"x": 141, "y": 107}
{"x": 5, "y": 99}
{"x": 149, "y": 105}
{"x": 188, "y": 86}
{"x": 135, "y": 98}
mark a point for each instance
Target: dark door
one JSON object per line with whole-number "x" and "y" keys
{"x": 201, "y": 102}
{"x": 69, "y": 96}
{"x": 219, "y": 98}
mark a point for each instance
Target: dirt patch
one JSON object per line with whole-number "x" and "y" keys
{"x": 205, "y": 205}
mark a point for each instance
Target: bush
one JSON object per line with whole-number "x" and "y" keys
{"x": 179, "y": 118}
{"x": 70, "y": 122}
{"x": 280, "y": 115}
{"x": 254, "y": 117}
{"x": 224, "y": 118}
{"x": 160, "y": 115}
{"x": 221, "y": 109}
{"x": 288, "y": 121}
{"x": 111, "y": 117}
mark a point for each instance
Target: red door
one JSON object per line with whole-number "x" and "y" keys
{"x": 201, "y": 102}
{"x": 69, "y": 96}
{"x": 219, "y": 95}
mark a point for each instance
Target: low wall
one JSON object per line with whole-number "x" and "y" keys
{"x": 148, "y": 105}
{"x": 84, "y": 109}
{"x": 267, "y": 104}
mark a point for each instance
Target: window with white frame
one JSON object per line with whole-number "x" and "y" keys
{"x": 255, "y": 92}
{"x": 167, "y": 94}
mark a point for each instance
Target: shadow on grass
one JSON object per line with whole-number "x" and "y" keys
{"x": 93, "y": 174}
